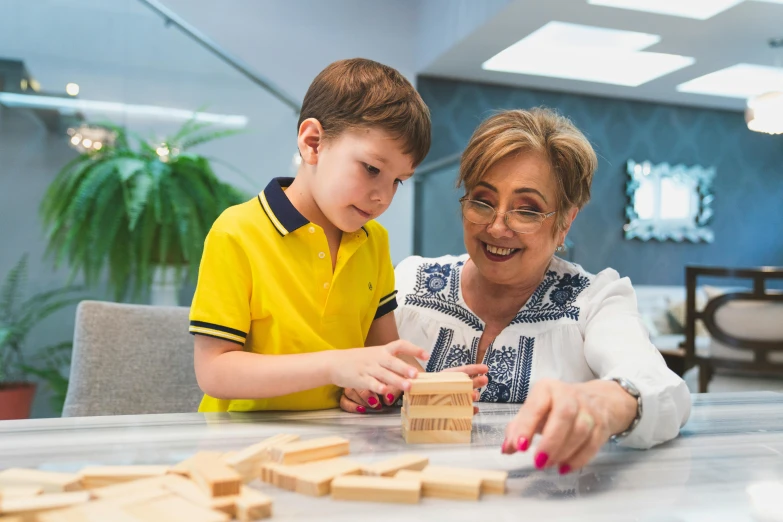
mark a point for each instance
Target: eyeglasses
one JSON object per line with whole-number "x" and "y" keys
{"x": 520, "y": 221}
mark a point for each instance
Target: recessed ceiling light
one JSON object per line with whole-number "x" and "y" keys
{"x": 698, "y": 9}
{"x": 738, "y": 81}
{"x": 72, "y": 89}
{"x": 581, "y": 52}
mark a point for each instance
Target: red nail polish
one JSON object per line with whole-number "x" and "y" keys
{"x": 372, "y": 401}
{"x": 541, "y": 459}
{"x": 565, "y": 469}
{"x": 523, "y": 444}
{"x": 390, "y": 398}
{"x": 361, "y": 409}
{"x": 504, "y": 446}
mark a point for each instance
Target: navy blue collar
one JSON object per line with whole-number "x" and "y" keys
{"x": 278, "y": 207}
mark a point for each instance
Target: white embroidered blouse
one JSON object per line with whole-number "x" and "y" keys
{"x": 575, "y": 327}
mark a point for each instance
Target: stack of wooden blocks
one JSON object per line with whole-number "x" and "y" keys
{"x": 438, "y": 408}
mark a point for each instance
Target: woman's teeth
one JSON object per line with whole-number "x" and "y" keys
{"x": 500, "y": 251}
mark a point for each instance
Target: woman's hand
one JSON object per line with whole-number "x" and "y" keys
{"x": 375, "y": 368}
{"x": 574, "y": 421}
{"x": 359, "y": 401}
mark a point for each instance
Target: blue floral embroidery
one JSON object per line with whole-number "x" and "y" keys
{"x": 437, "y": 288}
{"x": 553, "y": 299}
{"x": 446, "y": 354}
{"x": 509, "y": 372}
{"x": 436, "y": 283}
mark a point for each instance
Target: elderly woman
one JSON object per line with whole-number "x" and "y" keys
{"x": 567, "y": 345}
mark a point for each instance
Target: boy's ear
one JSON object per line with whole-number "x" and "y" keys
{"x": 310, "y": 138}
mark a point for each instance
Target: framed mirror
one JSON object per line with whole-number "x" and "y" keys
{"x": 669, "y": 203}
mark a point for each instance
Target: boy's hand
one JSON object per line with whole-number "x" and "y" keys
{"x": 377, "y": 369}
{"x": 360, "y": 401}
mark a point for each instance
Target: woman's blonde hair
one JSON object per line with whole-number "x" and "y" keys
{"x": 542, "y": 131}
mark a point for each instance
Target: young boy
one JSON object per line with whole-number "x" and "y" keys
{"x": 296, "y": 287}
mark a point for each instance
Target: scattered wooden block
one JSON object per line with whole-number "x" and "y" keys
{"x": 99, "y": 476}
{"x": 49, "y": 481}
{"x": 310, "y": 450}
{"x": 174, "y": 509}
{"x": 436, "y": 485}
{"x": 493, "y": 482}
{"x": 124, "y": 489}
{"x": 253, "y": 505}
{"x": 247, "y": 462}
{"x": 183, "y": 468}
{"x": 191, "y": 492}
{"x": 22, "y": 491}
{"x": 388, "y": 468}
{"x": 441, "y": 384}
{"x": 376, "y": 489}
{"x": 316, "y": 481}
{"x": 449, "y": 408}
{"x": 213, "y": 475}
{"x": 38, "y": 503}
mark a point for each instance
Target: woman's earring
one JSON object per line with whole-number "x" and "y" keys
{"x": 559, "y": 248}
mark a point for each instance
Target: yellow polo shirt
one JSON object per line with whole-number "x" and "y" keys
{"x": 266, "y": 283}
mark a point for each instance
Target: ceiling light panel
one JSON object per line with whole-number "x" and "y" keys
{"x": 587, "y": 53}
{"x": 697, "y": 9}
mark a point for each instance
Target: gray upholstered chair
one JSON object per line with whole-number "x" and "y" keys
{"x": 131, "y": 359}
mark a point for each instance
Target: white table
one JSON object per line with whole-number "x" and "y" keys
{"x": 731, "y": 441}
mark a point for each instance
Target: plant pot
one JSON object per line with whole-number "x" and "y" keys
{"x": 16, "y": 399}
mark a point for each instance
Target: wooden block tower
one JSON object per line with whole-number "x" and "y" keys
{"x": 438, "y": 409}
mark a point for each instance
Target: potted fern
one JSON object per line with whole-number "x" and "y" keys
{"x": 142, "y": 211}
{"x": 17, "y": 319}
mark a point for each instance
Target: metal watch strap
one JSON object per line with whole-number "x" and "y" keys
{"x": 633, "y": 391}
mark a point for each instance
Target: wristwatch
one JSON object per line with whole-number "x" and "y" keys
{"x": 633, "y": 391}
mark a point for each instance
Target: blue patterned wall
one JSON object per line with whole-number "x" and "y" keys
{"x": 748, "y": 222}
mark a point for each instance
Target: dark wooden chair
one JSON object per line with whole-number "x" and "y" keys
{"x": 760, "y": 365}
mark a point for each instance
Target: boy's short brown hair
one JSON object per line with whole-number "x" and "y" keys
{"x": 363, "y": 93}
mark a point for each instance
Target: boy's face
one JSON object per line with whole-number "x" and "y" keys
{"x": 357, "y": 175}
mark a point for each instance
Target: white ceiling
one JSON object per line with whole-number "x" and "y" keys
{"x": 738, "y": 35}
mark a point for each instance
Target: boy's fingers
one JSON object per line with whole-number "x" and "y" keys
{"x": 405, "y": 348}
{"x": 391, "y": 379}
{"x": 399, "y": 367}
{"x": 480, "y": 382}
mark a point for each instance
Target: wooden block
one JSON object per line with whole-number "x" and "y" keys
{"x": 191, "y": 492}
{"x": 38, "y": 503}
{"x": 124, "y": 489}
{"x": 441, "y": 384}
{"x": 90, "y": 512}
{"x": 22, "y": 491}
{"x": 310, "y": 450}
{"x": 183, "y": 468}
{"x": 376, "y": 489}
{"x": 253, "y": 505}
{"x": 174, "y": 509}
{"x": 213, "y": 475}
{"x": 414, "y": 409}
{"x": 247, "y": 462}
{"x": 436, "y": 437}
{"x": 437, "y": 424}
{"x": 388, "y": 468}
{"x": 100, "y": 476}
{"x": 50, "y": 481}
{"x": 436, "y": 485}
{"x": 493, "y": 482}
{"x": 316, "y": 481}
